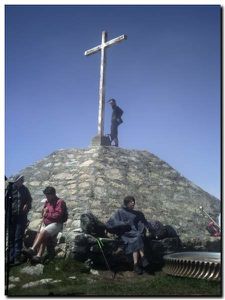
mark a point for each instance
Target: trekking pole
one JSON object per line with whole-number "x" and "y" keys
{"x": 201, "y": 208}
{"x": 100, "y": 244}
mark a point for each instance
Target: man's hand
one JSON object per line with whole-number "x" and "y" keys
{"x": 127, "y": 226}
{"x": 148, "y": 234}
{"x": 45, "y": 211}
{"x": 25, "y": 208}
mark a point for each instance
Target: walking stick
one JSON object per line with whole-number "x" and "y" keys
{"x": 100, "y": 244}
{"x": 201, "y": 208}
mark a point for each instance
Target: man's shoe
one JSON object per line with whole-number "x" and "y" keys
{"x": 137, "y": 269}
{"x": 14, "y": 262}
{"x": 11, "y": 262}
{"x": 36, "y": 260}
{"x": 17, "y": 261}
{"x": 144, "y": 262}
{"x": 29, "y": 253}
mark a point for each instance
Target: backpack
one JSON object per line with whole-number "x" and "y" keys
{"x": 162, "y": 231}
{"x": 119, "y": 112}
{"x": 213, "y": 229}
{"x": 65, "y": 212}
{"x": 91, "y": 225}
{"x": 119, "y": 115}
{"x": 156, "y": 228}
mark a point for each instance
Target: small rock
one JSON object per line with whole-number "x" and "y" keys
{"x": 86, "y": 163}
{"x": 14, "y": 279}
{"x": 40, "y": 282}
{"x": 33, "y": 270}
{"x": 56, "y": 281}
{"x": 29, "y": 285}
{"x": 77, "y": 230}
{"x": 94, "y": 272}
{"x": 72, "y": 277}
{"x": 11, "y": 286}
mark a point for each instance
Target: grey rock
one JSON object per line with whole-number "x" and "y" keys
{"x": 40, "y": 282}
{"x": 94, "y": 272}
{"x": 33, "y": 270}
{"x": 11, "y": 286}
{"x": 14, "y": 279}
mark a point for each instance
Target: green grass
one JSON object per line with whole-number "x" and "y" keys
{"x": 86, "y": 284}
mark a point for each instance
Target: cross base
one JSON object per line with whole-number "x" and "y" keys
{"x": 100, "y": 141}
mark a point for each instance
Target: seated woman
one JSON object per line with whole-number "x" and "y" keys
{"x": 53, "y": 218}
{"x": 130, "y": 225}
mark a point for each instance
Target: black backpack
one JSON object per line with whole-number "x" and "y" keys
{"x": 119, "y": 112}
{"x": 119, "y": 115}
{"x": 171, "y": 232}
{"x": 91, "y": 225}
{"x": 65, "y": 212}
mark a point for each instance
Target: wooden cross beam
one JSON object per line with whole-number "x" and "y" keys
{"x": 105, "y": 44}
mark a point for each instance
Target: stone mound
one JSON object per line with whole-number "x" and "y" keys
{"x": 97, "y": 179}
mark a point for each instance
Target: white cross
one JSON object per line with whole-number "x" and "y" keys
{"x": 105, "y": 44}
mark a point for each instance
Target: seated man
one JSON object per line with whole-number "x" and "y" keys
{"x": 130, "y": 226}
{"x": 53, "y": 215}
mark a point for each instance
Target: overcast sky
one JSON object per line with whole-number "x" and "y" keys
{"x": 165, "y": 76}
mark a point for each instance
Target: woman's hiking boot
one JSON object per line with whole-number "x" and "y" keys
{"x": 36, "y": 260}
{"x": 137, "y": 269}
{"x": 144, "y": 262}
{"x": 29, "y": 253}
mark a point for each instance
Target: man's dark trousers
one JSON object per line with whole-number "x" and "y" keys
{"x": 17, "y": 226}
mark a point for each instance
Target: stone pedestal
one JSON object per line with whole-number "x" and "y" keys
{"x": 100, "y": 141}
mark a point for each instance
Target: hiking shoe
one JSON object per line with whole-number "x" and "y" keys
{"x": 36, "y": 259}
{"x": 137, "y": 269}
{"x": 29, "y": 253}
{"x": 144, "y": 262}
{"x": 17, "y": 261}
{"x": 11, "y": 262}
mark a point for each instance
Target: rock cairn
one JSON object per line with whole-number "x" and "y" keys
{"x": 97, "y": 179}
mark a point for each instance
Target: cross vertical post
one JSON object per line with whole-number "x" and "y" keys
{"x": 101, "y": 109}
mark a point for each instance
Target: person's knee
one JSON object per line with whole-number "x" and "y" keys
{"x": 43, "y": 235}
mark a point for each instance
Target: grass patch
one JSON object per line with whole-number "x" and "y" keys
{"x": 86, "y": 284}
